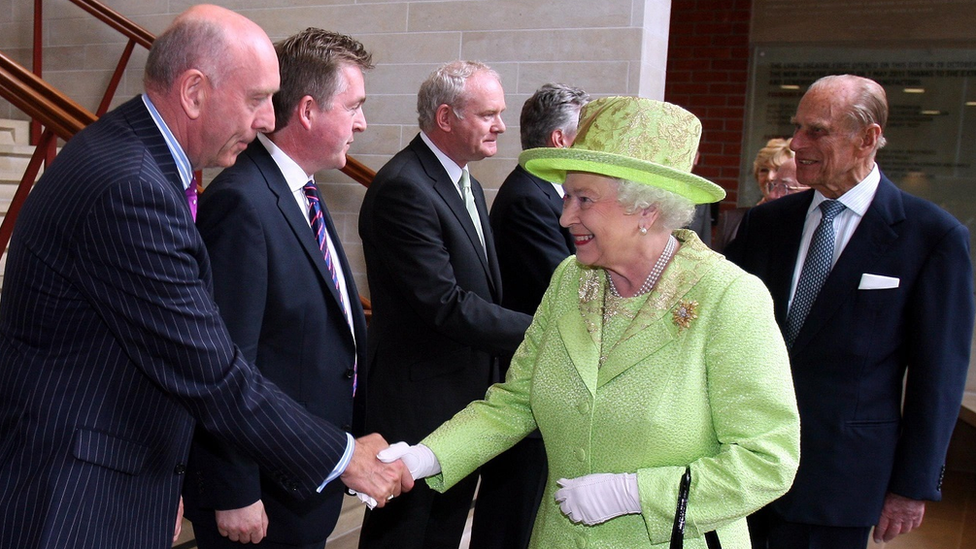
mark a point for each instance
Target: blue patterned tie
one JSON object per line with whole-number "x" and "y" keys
{"x": 816, "y": 267}
{"x": 317, "y": 220}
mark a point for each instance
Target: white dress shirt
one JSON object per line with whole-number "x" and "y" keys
{"x": 856, "y": 202}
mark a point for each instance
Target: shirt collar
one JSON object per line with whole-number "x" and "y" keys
{"x": 858, "y": 198}
{"x": 294, "y": 175}
{"x": 452, "y": 169}
{"x": 182, "y": 162}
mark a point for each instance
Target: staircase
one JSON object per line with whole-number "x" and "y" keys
{"x": 15, "y": 153}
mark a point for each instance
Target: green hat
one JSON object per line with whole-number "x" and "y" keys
{"x": 642, "y": 140}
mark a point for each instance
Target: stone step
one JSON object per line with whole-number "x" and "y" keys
{"x": 14, "y": 160}
{"x": 7, "y": 190}
{"x": 14, "y": 132}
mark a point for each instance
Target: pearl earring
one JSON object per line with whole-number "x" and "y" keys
{"x": 643, "y": 230}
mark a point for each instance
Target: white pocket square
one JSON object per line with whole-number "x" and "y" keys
{"x": 877, "y": 282}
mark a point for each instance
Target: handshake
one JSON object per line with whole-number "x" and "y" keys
{"x": 378, "y": 471}
{"x": 589, "y": 499}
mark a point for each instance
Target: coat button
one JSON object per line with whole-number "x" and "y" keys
{"x": 180, "y": 469}
{"x": 584, "y": 407}
{"x": 349, "y": 373}
{"x": 581, "y": 454}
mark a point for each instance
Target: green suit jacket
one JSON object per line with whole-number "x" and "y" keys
{"x": 700, "y": 379}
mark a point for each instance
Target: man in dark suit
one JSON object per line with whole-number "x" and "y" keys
{"x": 292, "y": 309}
{"x": 437, "y": 325}
{"x": 110, "y": 342}
{"x": 899, "y": 296}
{"x": 530, "y": 243}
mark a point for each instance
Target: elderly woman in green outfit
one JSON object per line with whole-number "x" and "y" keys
{"x": 650, "y": 355}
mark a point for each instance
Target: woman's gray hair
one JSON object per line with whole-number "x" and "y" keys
{"x": 445, "y": 86}
{"x": 675, "y": 211}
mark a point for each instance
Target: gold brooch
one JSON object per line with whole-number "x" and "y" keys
{"x": 685, "y": 313}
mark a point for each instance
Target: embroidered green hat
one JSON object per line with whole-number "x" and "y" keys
{"x": 633, "y": 138}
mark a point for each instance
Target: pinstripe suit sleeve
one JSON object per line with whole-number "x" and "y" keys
{"x": 143, "y": 266}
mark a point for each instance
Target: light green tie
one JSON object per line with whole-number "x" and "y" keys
{"x": 468, "y": 198}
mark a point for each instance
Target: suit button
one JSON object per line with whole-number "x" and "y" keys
{"x": 349, "y": 373}
{"x": 180, "y": 469}
{"x": 584, "y": 407}
{"x": 581, "y": 454}
{"x": 347, "y": 428}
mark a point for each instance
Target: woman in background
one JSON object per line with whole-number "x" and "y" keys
{"x": 775, "y": 172}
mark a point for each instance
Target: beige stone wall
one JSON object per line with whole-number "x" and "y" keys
{"x": 610, "y": 47}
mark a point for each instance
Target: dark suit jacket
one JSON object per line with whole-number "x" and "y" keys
{"x": 111, "y": 345}
{"x": 437, "y": 322}
{"x": 850, "y": 356}
{"x": 281, "y": 308}
{"x": 529, "y": 240}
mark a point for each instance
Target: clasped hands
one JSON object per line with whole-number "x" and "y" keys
{"x": 590, "y": 499}
{"x": 418, "y": 460}
{"x": 373, "y": 480}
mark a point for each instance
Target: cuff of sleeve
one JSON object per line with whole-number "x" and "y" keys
{"x": 343, "y": 463}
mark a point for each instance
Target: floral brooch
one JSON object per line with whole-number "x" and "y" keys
{"x": 685, "y": 313}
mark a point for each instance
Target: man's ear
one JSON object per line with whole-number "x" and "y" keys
{"x": 194, "y": 89}
{"x": 443, "y": 118}
{"x": 558, "y": 139}
{"x": 306, "y": 111}
{"x": 869, "y": 138}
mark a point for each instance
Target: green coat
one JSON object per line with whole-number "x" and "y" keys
{"x": 716, "y": 395}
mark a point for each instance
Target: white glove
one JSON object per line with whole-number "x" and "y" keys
{"x": 597, "y": 498}
{"x": 419, "y": 459}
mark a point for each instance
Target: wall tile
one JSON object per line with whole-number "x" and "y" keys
{"x": 573, "y": 45}
{"x": 518, "y": 14}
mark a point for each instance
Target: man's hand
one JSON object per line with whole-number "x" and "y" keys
{"x": 899, "y": 515}
{"x": 368, "y": 475}
{"x": 179, "y": 521}
{"x": 245, "y": 525}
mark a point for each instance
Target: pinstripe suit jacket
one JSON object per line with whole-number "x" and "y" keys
{"x": 111, "y": 346}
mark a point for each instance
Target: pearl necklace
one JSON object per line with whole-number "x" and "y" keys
{"x": 659, "y": 265}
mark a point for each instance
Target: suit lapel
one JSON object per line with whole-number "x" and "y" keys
{"x": 555, "y": 203}
{"x": 654, "y": 329}
{"x": 784, "y": 242}
{"x": 871, "y": 240}
{"x": 581, "y": 347}
{"x": 137, "y": 115}
{"x": 295, "y": 218}
{"x": 449, "y": 194}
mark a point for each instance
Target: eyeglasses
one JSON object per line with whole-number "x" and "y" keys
{"x": 784, "y": 186}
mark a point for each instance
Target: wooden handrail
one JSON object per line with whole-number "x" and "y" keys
{"x": 65, "y": 118}
{"x": 117, "y": 21}
{"x": 41, "y": 101}
{"x": 355, "y": 169}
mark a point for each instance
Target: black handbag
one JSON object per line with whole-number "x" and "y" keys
{"x": 680, "y": 512}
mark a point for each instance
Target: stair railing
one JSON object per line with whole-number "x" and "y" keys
{"x": 60, "y": 117}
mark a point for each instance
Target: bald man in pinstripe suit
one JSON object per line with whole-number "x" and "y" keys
{"x": 110, "y": 342}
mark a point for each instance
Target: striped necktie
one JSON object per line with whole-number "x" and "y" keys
{"x": 317, "y": 220}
